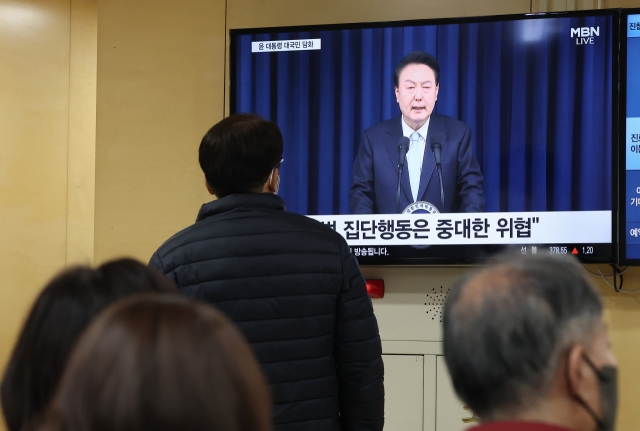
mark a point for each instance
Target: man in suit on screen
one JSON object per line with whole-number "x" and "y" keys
{"x": 430, "y": 136}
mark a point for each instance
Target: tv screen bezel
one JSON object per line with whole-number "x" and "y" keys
{"x": 622, "y": 124}
{"x": 616, "y": 157}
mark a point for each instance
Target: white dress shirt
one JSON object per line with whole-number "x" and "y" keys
{"x": 415, "y": 155}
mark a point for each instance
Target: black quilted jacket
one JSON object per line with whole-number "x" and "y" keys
{"x": 296, "y": 292}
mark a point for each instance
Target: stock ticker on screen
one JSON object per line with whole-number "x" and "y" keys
{"x": 536, "y": 93}
{"x": 632, "y": 139}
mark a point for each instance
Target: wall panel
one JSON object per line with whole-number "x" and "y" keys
{"x": 261, "y": 13}
{"x": 160, "y": 88}
{"x": 82, "y": 131}
{"x": 34, "y": 114}
{"x": 562, "y": 5}
{"x": 34, "y": 135}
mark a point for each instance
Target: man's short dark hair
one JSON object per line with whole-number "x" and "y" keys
{"x": 417, "y": 57}
{"x": 238, "y": 154}
{"x": 505, "y": 328}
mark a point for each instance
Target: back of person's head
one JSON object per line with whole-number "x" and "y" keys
{"x": 239, "y": 153}
{"x": 161, "y": 363}
{"x": 417, "y": 57}
{"x": 60, "y": 313}
{"x": 507, "y": 326}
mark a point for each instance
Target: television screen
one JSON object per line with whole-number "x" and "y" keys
{"x": 444, "y": 141}
{"x": 630, "y": 74}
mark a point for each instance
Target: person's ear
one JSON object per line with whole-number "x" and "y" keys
{"x": 574, "y": 370}
{"x": 437, "y": 89}
{"x": 268, "y": 185}
{"x": 397, "y": 95}
{"x": 579, "y": 375}
{"x": 274, "y": 181}
{"x": 208, "y": 186}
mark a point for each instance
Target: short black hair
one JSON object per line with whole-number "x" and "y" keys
{"x": 59, "y": 315}
{"x": 238, "y": 154}
{"x": 417, "y": 57}
{"x": 506, "y": 326}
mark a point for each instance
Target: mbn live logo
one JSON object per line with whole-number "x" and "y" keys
{"x": 585, "y": 35}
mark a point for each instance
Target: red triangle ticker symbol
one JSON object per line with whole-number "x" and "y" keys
{"x": 575, "y": 251}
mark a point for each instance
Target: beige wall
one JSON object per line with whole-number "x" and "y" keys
{"x": 259, "y": 13}
{"x": 47, "y": 78}
{"x": 160, "y": 88}
{"x": 160, "y": 85}
{"x": 562, "y": 5}
{"x": 34, "y": 112}
{"x": 81, "y": 165}
{"x": 47, "y": 139}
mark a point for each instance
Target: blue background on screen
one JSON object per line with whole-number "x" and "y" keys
{"x": 539, "y": 106}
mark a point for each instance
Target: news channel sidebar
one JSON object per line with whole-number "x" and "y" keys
{"x": 633, "y": 214}
{"x": 632, "y": 138}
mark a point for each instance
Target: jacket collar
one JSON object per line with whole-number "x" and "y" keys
{"x": 238, "y": 201}
{"x": 436, "y": 132}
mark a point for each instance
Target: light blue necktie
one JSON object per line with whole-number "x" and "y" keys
{"x": 413, "y": 162}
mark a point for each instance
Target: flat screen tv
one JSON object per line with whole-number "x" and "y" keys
{"x": 516, "y": 135}
{"x": 630, "y": 133}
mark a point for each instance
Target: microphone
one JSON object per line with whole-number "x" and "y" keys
{"x": 436, "y": 148}
{"x": 403, "y": 147}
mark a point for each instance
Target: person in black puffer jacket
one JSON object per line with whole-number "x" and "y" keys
{"x": 289, "y": 283}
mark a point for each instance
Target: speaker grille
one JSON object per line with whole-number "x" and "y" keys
{"x": 435, "y": 302}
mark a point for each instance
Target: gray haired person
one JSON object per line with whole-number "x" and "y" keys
{"x": 527, "y": 348}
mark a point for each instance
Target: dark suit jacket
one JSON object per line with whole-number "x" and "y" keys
{"x": 375, "y": 170}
